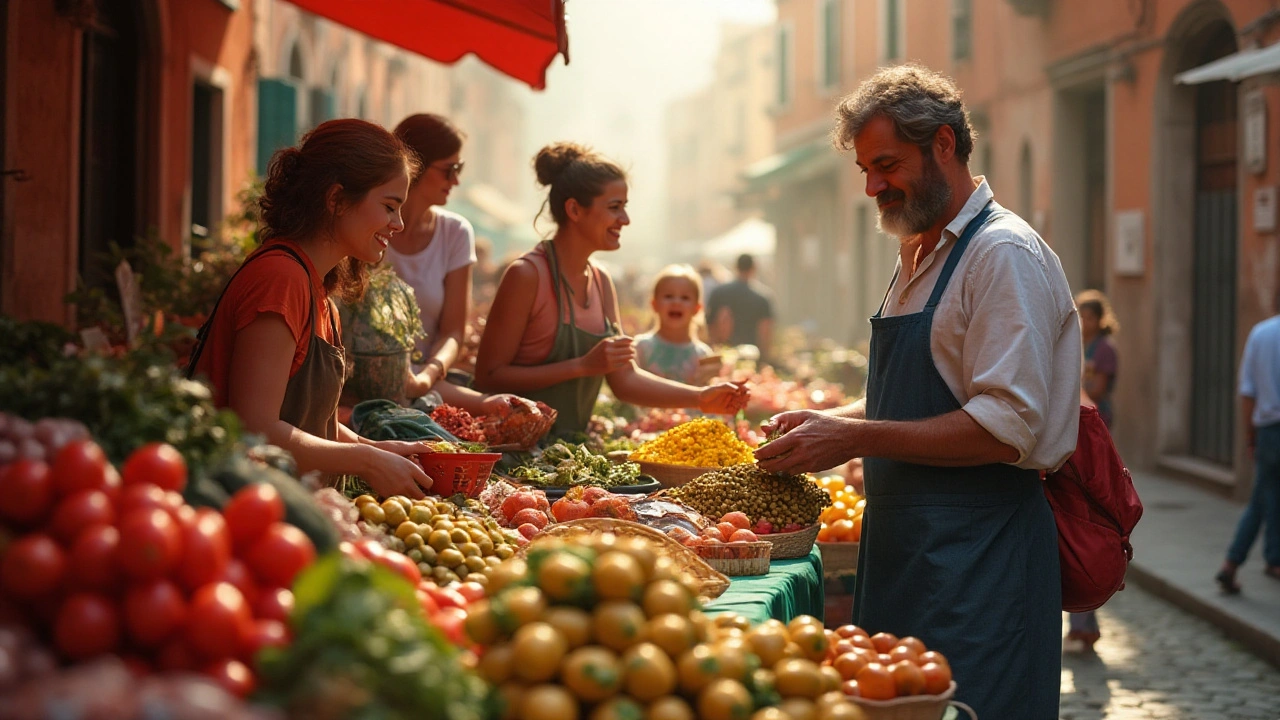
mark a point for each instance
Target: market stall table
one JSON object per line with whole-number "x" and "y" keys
{"x": 792, "y": 588}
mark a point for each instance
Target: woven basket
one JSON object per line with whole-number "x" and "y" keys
{"x": 839, "y": 558}
{"x": 740, "y": 558}
{"x": 787, "y": 546}
{"x": 711, "y": 583}
{"x": 914, "y": 707}
{"x": 673, "y": 475}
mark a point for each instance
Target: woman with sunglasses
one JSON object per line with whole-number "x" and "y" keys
{"x": 434, "y": 255}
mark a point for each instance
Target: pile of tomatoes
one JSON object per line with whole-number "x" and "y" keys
{"x": 842, "y": 519}
{"x": 100, "y": 561}
{"x": 884, "y": 667}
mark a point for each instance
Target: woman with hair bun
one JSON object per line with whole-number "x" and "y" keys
{"x": 553, "y": 332}
{"x": 272, "y": 348}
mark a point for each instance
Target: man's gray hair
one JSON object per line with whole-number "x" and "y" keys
{"x": 917, "y": 100}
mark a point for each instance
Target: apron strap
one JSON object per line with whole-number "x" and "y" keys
{"x": 885, "y": 300}
{"x": 557, "y": 281}
{"x": 953, "y": 258}
{"x": 202, "y": 335}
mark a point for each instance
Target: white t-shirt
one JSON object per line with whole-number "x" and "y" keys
{"x": 452, "y": 246}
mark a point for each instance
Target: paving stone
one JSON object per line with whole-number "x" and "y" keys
{"x": 1155, "y": 661}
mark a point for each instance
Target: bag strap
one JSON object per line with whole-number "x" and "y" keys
{"x": 202, "y": 335}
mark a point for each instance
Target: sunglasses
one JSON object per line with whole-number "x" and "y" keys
{"x": 451, "y": 172}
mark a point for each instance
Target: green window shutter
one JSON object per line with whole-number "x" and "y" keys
{"x": 277, "y": 118}
{"x": 324, "y": 106}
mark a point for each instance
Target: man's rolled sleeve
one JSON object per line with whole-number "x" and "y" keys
{"x": 1003, "y": 422}
{"x": 1008, "y": 345}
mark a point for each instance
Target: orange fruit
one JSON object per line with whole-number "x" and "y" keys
{"x": 914, "y": 643}
{"x": 850, "y": 688}
{"x": 907, "y": 678}
{"x": 848, "y": 631}
{"x": 875, "y": 682}
{"x": 932, "y": 656}
{"x": 883, "y": 641}
{"x": 902, "y": 652}
{"x": 937, "y": 678}
{"x": 849, "y": 664}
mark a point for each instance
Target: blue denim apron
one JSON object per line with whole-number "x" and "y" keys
{"x": 964, "y": 558}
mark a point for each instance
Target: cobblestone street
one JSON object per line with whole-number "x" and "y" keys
{"x": 1156, "y": 661}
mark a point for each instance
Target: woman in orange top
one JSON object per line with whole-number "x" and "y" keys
{"x": 553, "y": 332}
{"x": 272, "y": 348}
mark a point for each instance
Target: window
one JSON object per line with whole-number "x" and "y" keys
{"x": 961, "y": 29}
{"x": 206, "y": 161}
{"x": 893, "y": 40}
{"x": 784, "y": 66}
{"x": 277, "y": 118}
{"x": 828, "y": 43}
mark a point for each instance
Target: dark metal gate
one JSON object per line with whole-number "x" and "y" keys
{"x": 1213, "y": 362}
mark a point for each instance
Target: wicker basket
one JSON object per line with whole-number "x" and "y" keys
{"x": 914, "y": 707}
{"x": 787, "y": 546}
{"x": 736, "y": 559}
{"x": 711, "y": 583}
{"x": 673, "y": 475}
{"x": 839, "y": 559}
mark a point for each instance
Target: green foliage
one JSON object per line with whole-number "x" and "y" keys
{"x": 387, "y": 319}
{"x": 568, "y": 464}
{"x": 125, "y": 402}
{"x": 362, "y": 649}
{"x": 34, "y": 343}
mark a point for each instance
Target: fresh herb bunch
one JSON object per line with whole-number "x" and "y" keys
{"x": 362, "y": 649}
{"x": 125, "y": 402}
{"x": 387, "y": 319}
{"x": 568, "y": 464}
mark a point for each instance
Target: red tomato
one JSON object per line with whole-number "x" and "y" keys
{"x": 157, "y": 463}
{"x": 252, "y": 510}
{"x": 233, "y": 675}
{"x": 471, "y": 591}
{"x": 274, "y": 604}
{"x": 280, "y": 553}
{"x": 33, "y": 566}
{"x": 450, "y": 621}
{"x": 150, "y": 544}
{"x": 81, "y": 465}
{"x": 370, "y": 548}
{"x": 237, "y": 573}
{"x": 218, "y": 621}
{"x": 92, "y": 558}
{"x": 153, "y": 612}
{"x": 88, "y": 625}
{"x": 140, "y": 497}
{"x": 428, "y": 603}
{"x": 80, "y": 510}
{"x": 176, "y": 656}
{"x": 28, "y": 492}
{"x": 206, "y": 549}
{"x": 349, "y": 550}
{"x": 265, "y": 634}
{"x": 401, "y": 564}
{"x": 447, "y": 598}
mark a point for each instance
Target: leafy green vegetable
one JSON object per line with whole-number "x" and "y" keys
{"x": 362, "y": 649}
{"x": 568, "y": 464}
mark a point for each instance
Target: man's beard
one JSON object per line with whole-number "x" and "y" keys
{"x": 930, "y": 197}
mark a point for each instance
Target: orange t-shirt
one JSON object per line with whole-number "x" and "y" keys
{"x": 276, "y": 284}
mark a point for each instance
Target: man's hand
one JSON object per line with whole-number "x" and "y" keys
{"x": 811, "y": 441}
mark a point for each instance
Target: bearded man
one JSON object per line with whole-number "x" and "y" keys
{"x": 973, "y": 389}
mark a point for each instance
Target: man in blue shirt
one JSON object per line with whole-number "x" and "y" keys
{"x": 1260, "y": 401}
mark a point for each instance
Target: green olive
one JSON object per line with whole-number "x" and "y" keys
{"x": 440, "y": 540}
{"x": 450, "y": 558}
{"x": 373, "y": 513}
{"x": 470, "y": 549}
{"x": 459, "y": 536}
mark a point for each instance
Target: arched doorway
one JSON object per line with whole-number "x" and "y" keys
{"x": 112, "y": 203}
{"x": 1216, "y": 236}
{"x": 1194, "y": 230}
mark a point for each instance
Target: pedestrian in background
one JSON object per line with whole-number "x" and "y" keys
{"x": 1260, "y": 405}
{"x": 1097, "y": 325}
{"x": 741, "y": 312}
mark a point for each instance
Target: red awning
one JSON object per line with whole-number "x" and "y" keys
{"x": 517, "y": 37}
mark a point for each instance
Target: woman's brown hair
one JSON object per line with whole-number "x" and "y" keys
{"x": 573, "y": 171}
{"x": 1095, "y": 302}
{"x": 355, "y": 155}
{"x": 431, "y": 137}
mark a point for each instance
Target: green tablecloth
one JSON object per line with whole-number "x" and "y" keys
{"x": 792, "y": 587}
